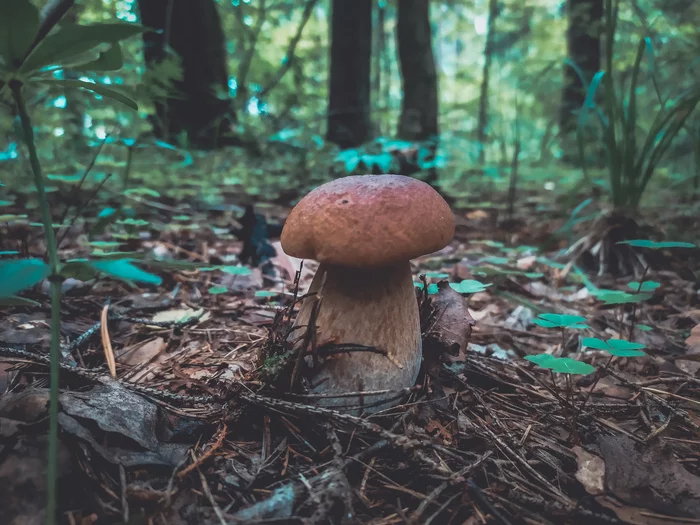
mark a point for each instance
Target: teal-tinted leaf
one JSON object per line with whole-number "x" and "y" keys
{"x": 6, "y": 203}
{"x": 647, "y": 286}
{"x": 9, "y": 252}
{"x": 216, "y": 290}
{"x": 469, "y": 286}
{"x": 100, "y": 89}
{"x": 566, "y": 365}
{"x": 620, "y": 297}
{"x": 106, "y": 212}
{"x": 19, "y": 274}
{"x": 123, "y": 269}
{"x": 643, "y": 327}
{"x": 7, "y": 217}
{"x": 181, "y": 218}
{"x": 65, "y": 178}
{"x": 433, "y": 289}
{"x": 104, "y": 244}
{"x": 643, "y": 243}
{"x": 73, "y": 40}
{"x": 560, "y": 321}
{"x": 19, "y": 24}
{"x": 541, "y": 360}
{"x": 496, "y": 260}
{"x": 418, "y": 285}
{"x": 594, "y": 342}
{"x": 266, "y": 293}
{"x": 236, "y": 270}
{"x": 142, "y": 191}
{"x": 437, "y": 275}
{"x": 133, "y": 222}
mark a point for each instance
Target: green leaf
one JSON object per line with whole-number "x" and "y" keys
{"x": 620, "y": 297}
{"x": 9, "y": 252}
{"x": 236, "y": 270}
{"x": 100, "y": 89}
{"x": 142, "y": 191}
{"x": 79, "y": 269}
{"x": 72, "y": 40}
{"x": 643, "y": 243}
{"x": 6, "y": 203}
{"x": 495, "y": 260}
{"x": 19, "y": 24}
{"x": 437, "y": 275}
{"x": 616, "y": 347}
{"x": 266, "y": 293}
{"x": 566, "y": 365}
{"x": 216, "y": 290}
{"x": 104, "y": 244}
{"x": 123, "y": 269}
{"x": 541, "y": 360}
{"x": 643, "y": 327}
{"x": 17, "y": 301}
{"x": 469, "y": 286}
{"x": 647, "y": 286}
{"x": 19, "y": 274}
{"x": 560, "y": 321}
{"x": 111, "y": 59}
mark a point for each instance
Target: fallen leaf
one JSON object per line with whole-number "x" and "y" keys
{"x": 449, "y": 323}
{"x": 142, "y": 352}
{"x": 590, "y": 472}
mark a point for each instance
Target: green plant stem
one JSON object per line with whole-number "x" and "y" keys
{"x": 598, "y": 376}
{"x": 633, "y": 318}
{"x": 55, "y": 280}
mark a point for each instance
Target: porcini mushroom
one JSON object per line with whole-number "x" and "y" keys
{"x": 364, "y": 230}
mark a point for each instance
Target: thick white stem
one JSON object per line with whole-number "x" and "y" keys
{"x": 375, "y": 308}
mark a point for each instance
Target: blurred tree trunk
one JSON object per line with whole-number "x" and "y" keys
{"x": 349, "y": 123}
{"x": 583, "y": 49}
{"x": 192, "y": 31}
{"x": 483, "y": 122}
{"x": 419, "y": 108}
{"x": 379, "y": 52}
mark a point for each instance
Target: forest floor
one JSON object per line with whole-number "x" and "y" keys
{"x": 191, "y": 432}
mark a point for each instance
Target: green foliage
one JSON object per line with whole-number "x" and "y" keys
{"x": 653, "y": 245}
{"x": 550, "y": 320}
{"x": 216, "y": 290}
{"x": 561, "y": 365}
{"x": 469, "y": 286}
{"x": 20, "y": 274}
{"x": 631, "y": 163}
{"x": 616, "y": 347}
{"x": 646, "y": 286}
{"x": 611, "y": 297}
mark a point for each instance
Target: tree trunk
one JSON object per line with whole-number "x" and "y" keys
{"x": 192, "y": 31}
{"x": 419, "y": 108}
{"x": 349, "y": 123}
{"x": 583, "y": 49}
{"x": 483, "y": 122}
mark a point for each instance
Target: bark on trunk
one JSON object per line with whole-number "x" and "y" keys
{"x": 349, "y": 122}
{"x": 482, "y": 125}
{"x": 419, "y": 108}
{"x": 583, "y": 49}
{"x": 193, "y": 31}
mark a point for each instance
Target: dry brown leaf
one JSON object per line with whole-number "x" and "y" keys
{"x": 142, "y": 352}
{"x": 590, "y": 472}
{"x": 451, "y": 321}
{"x": 178, "y": 315}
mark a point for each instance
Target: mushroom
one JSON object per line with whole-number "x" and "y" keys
{"x": 363, "y": 230}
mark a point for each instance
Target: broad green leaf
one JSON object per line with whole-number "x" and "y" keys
{"x": 469, "y": 286}
{"x": 79, "y": 269}
{"x": 643, "y": 327}
{"x": 19, "y": 274}
{"x": 65, "y": 178}
{"x": 236, "y": 270}
{"x": 111, "y": 59}
{"x": 647, "y": 286}
{"x": 495, "y": 260}
{"x": 100, "y": 89}
{"x": 620, "y": 297}
{"x": 616, "y": 347}
{"x": 215, "y": 290}
{"x": 72, "y": 40}
{"x": 133, "y": 222}
{"x": 6, "y": 203}
{"x": 104, "y": 244}
{"x": 566, "y": 365}
{"x": 19, "y": 24}
{"x": 9, "y": 252}
{"x": 541, "y": 360}
{"x": 123, "y": 269}
{"x": 560, "y": 321}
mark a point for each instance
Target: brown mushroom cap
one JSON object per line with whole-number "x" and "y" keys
{"x": 368, "y": 221}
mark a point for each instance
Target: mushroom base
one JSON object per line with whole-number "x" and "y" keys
{"x": 375, "y": 308}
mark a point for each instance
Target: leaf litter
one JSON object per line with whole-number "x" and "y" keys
{"x": 190, "y": 431}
